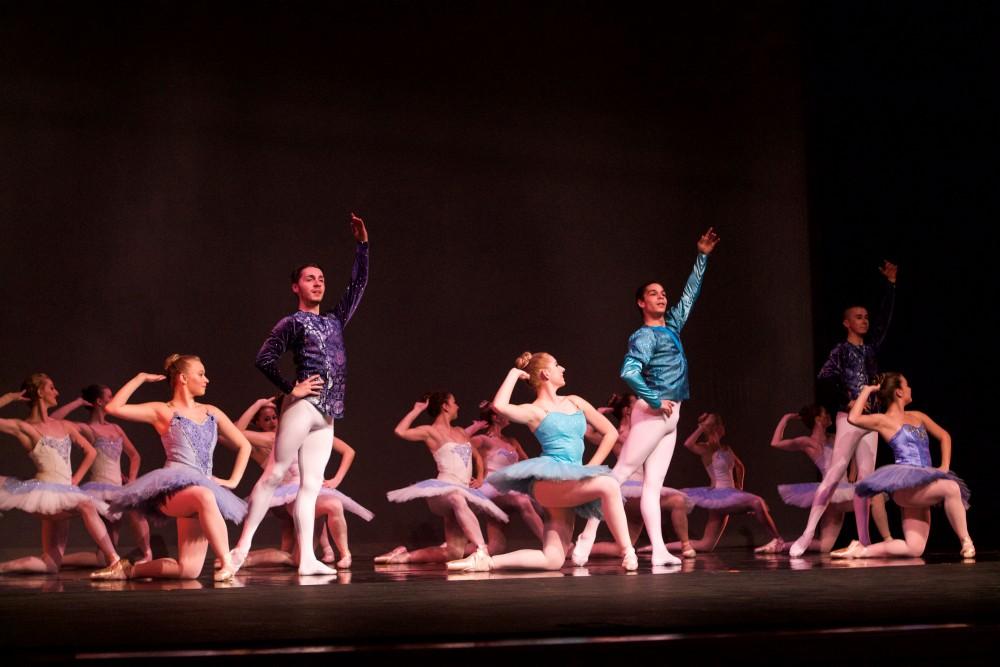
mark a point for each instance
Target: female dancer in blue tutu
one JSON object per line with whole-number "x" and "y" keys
{"x": 726, "y": 495}
{"x": 53, "y": 495}
{"x": 557, "y": 479}
{"x": 454, "y": 492}
{"x": 185, "y": 488}
{"x": 914, "y": 483}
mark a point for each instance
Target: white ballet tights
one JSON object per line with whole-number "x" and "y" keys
{"x": 306, "y": 433}
{"x": 650, "y": 444}
{"x": 850, "y": 442}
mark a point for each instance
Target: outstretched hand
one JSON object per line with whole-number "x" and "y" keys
{"x": 706, "y": 244}
{"x": 358, "y": 229}
{"x": 888, "y": 269}
{"x": 152, "y": 377}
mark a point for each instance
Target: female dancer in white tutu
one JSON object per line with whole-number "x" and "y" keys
{"x": 499, "y": 450}
{"x": 330, "y": 504}
{"x": 676, "y": 503}
{"x": 184, "y": 489}
{"x": 451, "y": 494}
{"x": 818, "y": 446}
{"x": 557, "y": 479}
{"x": 726, "y": 495}
{"x": 915, "y": 485}
{"x": 105, "y": 477}
{"x": 53, "y": 494}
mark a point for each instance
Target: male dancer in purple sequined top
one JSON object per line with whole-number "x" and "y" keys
{"x": 305, "y": 432}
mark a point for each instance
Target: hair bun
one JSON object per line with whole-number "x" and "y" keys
{"x": 522, "y": 361}
{"x": 170, "y": 361}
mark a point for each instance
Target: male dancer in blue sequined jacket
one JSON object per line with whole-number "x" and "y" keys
{"x": 305, "y": 433}
{"x": 656, "y": 369}
{"x": 851, "y": 365}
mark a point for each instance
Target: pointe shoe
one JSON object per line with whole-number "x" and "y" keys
{"x": 479, "y": 561}
{"x": 237, "y": 558}
{"x": 630, "y": 561}
{"x": 853, "y": 550}
{"x": 775, "y": 546}
{"x": 799, "y": 546}
{"x": 667, "y": 559}
{"x": 120, "y": 570}
{"x": 328, "y": 557}
{"x": 687, "y": 551}
{"x": 345, "y": 562}
{"x": 581, "y": 550}
{"x": 224, "y": 574}
{"x": 968, "y": 549}
{"x": 391, "y": 557}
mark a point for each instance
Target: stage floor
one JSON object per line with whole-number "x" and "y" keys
{"x": 721, "y": 607}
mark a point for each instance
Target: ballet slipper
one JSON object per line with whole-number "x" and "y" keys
{"x": 390, "y": 557}
{"x": 853, "y": 550}
{"x": 315, "y": 568}
{"x": 631, "y": 562}
{"x": 120, "y": 570}
{"x": 666, "y": 559}
{"x": 328, "y": 557}
{"x": 581, "y": 550}
{"x": 479, "y": 561}
{"x": 687, "y": 551}
{"x": 799, "y": 546}
{"x": 345, "y": 562}
{"x": 968, "y": 549}
{"x": 775, "y": 546}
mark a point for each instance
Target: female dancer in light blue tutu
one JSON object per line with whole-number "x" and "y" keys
{"x": 557, "y": 479}
{"x": 105, "y": 477}
{"x": 454, "y": 493}
{"x": 53, "y": 494}
{"x": 818, "y": 446}
{"x": 914, "y": 483}
{"x": 726, "y": 495}
{"x": 330, "y": 504}
{"x": 499, "y": 450}
{"x": 184, "y": 489}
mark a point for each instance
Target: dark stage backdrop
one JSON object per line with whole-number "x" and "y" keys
{"x": 520, "y": 171}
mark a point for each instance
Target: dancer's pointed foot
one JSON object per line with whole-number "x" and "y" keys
{"x": 631, "y": 562}
{"x": 345, "y": 562}
{"x": 120, "y": 570}
{"x": 328, "y": 556}
{"x": 799, "y": 546}
{"x": 775, "y": 546}
{"x": 236, "y": 558}
{"x": 665, "y": 558}
{"x": 581, "y": 550}
{"x": 968, "y": 549}
{"x": 853, "y": 550}
{"x": 394, "y": 556}
{"x": 479, "y": 561}
{"x": 314, "y": 567}
{"x": 687, "y": 551}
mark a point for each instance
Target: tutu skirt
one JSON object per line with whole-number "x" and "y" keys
{"x": 801, "y": 495}
{"x": 728, "y": 501}
{"x": 898, "y": 476}
{"x": 48, "y": 498}
{"x": 147, "y": 493}
{"x": 433, "y": 488}
{"x": 521, "y": 477}
{"x": 286, "y": 494}
{"x": 633, "y": 490}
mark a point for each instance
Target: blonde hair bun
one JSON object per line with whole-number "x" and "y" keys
{"x": 522, "y": 361}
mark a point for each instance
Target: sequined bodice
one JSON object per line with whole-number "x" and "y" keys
{"x": 911, "y": 446}
{"x": 454, "y": 462}
{"x": 51, "y": 458}
{"x": 720, "y": 468}
{"x": 500, "y": 456}
{"x": 561, "y": 436}
{"x": 107, "y": 467}
{"x": 190, "y": 443}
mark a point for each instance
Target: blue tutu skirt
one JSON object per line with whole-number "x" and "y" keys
{"x": 147, "y": 493}
{"x": 801, "y": 495}
{"x": 48, "y": 498}
{"x": 433, "y": 488}
{"x": 632, "y": 489}
{"x": 521, "y": 477}
{"x": 286, "y": 494}
{"x": 898, "y": 476}
{"x": 728, "y": 501}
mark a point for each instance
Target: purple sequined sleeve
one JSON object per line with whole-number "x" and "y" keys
{"x": 356, "y": 288}
{"x": 270, "y": 352}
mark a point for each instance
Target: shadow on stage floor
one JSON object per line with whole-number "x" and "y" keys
{"x": 723, "y": 607}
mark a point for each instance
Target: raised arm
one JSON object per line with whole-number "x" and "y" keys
{"x": 134, "y": 460}
{"x": 883, "y": 317}
{"x": 234, "y": 439}
{"x": 12, "y": 397}
{"x": 346, "y": 459}
{"x": 156, "y": 413}
{"x": 475, "y": 427}
{"x": 344, "y": 310}
{"x": 942, "y": 436}
{"x": 873, "y": 422}
{"x": 609, "y": 434}
{"x": 693, "y": 443}
{"x": 63, "y": 410}
{"x": 798, "y": 444}
{"x": 678, "y": 315}
{"x": 521, "y": 414}
{"x": 404, "y": 429}
{"x": 243, "y": 423}
{"x": 89, "y": 453}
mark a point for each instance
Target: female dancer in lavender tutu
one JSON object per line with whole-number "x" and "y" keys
{"x": 454, "y": 492}
{"x": 499, "y": 450}
{"x": 915, "y": 485}
{"x": 53, "y": 494}
{"x": 557, "y": 479}
{"x": 726, "y": 495}
{"x": 184, "y": 489}
{"x": 818, "y": 446}
{"x": 105, "y": 478}
{"x": 676, "y": 503}
{"x": 330, "y": 504}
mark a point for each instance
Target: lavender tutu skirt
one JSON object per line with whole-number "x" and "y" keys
{"x": 521, "y": 477}
{"x": 147, "y": 493}
{"x": 286, "y": 494}
{"x": 898, "y": 476}
{"x": 632, "y": 489}
{"x": 433, "y": 488}
{"x": 801, "y": 495}
{"x": 48, "y": 498}
{"x": 729, "y": 501}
